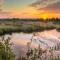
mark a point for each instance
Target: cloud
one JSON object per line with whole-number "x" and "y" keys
{"x": 55, "y": 8}
{"x": 53, "y": 5}
{"x": 1, "y": 3}
{"x": 4, "y": 14}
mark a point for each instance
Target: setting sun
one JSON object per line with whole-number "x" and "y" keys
{"x": 44, "y": 16}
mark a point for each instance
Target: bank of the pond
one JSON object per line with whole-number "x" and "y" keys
{"x": 58, "y": 29}
{"x": 25, "y": 29}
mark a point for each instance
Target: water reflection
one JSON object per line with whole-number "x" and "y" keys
{"x": 46, "y": 39}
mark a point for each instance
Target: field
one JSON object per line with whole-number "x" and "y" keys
{"x": 27, "y": 25}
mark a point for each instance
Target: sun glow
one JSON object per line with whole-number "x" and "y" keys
{"x": 45, "y": 16}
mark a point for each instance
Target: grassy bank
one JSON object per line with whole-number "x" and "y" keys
{"x": 58, "y": 29}
{"x": 23, "y": 28}
{"x": 28, "y": 25}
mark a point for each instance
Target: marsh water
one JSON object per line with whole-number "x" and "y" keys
{"x": 47, "y": 39}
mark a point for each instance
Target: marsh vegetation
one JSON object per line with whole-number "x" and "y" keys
{"x": 28, "y": 25}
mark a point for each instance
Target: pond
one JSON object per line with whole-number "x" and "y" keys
{"x": 47, "y": 39}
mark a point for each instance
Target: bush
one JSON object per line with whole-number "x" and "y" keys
{"x": 5, "y": 49}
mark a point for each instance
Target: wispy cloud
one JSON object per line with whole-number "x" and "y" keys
{"x": 54, "y": 8}
{"x": 4, "y": 14}
{"x": 49, "y": 4}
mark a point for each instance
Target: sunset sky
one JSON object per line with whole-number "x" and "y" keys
{"x": 29, "y": 8}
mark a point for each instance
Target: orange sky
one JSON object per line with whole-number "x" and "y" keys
{"x": 30, "y": 12}
{"x": 29, "y": 9}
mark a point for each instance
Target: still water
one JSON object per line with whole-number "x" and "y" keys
{"x": 46, "y": 39}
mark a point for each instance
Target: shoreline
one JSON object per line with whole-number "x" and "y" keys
{"x": 24, "y": 31}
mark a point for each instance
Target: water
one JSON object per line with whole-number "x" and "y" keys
{"x": 46, "y": 39}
